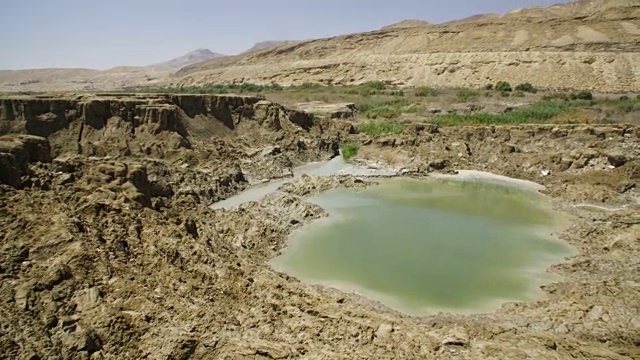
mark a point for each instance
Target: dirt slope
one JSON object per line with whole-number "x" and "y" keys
{"x": 588, "y": 44}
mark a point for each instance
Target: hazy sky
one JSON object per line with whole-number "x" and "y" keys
{"x": 106, "y": 33}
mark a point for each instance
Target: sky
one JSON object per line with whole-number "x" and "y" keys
{"x": 102, "y": 34}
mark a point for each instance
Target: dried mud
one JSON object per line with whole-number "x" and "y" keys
{"x": 110, "y": 251}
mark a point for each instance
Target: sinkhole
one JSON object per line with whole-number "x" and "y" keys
{"x": 424, "y": 246}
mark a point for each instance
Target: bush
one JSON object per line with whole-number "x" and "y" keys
{"x": 518, "y": 93}
{"x": 503, "y": 86}
{"x": 581, "y": 95}
{"x": 488, "y": 87}
{"x": 388, "y": 109}
{"x": 465, "y": 94}
{"x": 624, "y": 98}
{"x": 424, "y": 91}
{"x": 378, "y": 128}
{"x": 349, "y": 150}
{"x": 275, "y": 87}
{"x": 375, "y": 85}
{"x": 505, "y": 93}
{"x": 385, "y": 111}
{"x": 526, "y": 87}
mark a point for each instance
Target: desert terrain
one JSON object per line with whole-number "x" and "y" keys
{"x": 586, "y": 44}
{"x": 110, "y": 248}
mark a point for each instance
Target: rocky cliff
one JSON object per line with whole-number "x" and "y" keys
{"x": 223, "y": 135}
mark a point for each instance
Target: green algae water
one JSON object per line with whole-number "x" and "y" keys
{"x": 426, "y": 246}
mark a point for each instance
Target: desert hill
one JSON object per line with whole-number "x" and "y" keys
{"x": 586, "y": 44}
{"x": 590, "y": 44}
{"x": 193, "y": 57}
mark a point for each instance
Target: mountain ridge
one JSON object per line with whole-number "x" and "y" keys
{"x": 594, "y": 44}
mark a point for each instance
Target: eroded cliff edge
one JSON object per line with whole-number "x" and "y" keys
{"x": 109, "y": 249}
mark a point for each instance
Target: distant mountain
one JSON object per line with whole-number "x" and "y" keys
{"x": 269, "y": 44}
{"x": 193, "y": 57}
{"x": 410, "y": 23}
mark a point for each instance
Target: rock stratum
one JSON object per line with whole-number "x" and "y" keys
{"x": 583, "y": 45}
{"x": 586, "y": 44}
{"x": 109, "y": 249}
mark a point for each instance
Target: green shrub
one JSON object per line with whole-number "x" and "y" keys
{"x": 465, "y": 94}
{"x": 624, "y": 98}
{"x": 536, "y": 113}
{"x": 376, "y": 85}
{"x": 275, "y": 87}
{"x": 388, "y": 109}
{"x": 378, "y": 128}
{"x": 526, "y": 87}
{"x": 503, "y": 86}
{"x": 424, "y": 91}
{"x": 488, "y": 87}
{"x": 581, "y": 95}
{"x": 349, "y": 150}
{"x": 505, "y": 93}
{"x": 386, "y": 112}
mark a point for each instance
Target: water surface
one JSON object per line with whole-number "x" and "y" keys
{"x": 426, "y": 246}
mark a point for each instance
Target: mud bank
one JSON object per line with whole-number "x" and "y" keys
{"x": 116, "y": 254}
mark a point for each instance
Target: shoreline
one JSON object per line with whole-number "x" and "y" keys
{"x": 542, "y": 274}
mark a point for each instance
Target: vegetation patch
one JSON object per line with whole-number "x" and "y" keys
{"x": 526, "y": 87}
{"x": 465, "y": 94}
{"x": 382, "y": 108}
{"x": 503, "y": 86}
{"x": 538, "y": 113}
{"x": 349, "y": 150}
{"x": 424, "y": 91}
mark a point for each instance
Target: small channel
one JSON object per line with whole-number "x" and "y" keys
{"x": 322, "y": 168}
{"x": 423, "y": 246}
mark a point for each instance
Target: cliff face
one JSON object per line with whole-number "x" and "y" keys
{"x": 111, "y": 124}
{"x": 223, "y": 136}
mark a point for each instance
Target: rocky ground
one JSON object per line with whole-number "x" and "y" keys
{"x": 109, "y": 249}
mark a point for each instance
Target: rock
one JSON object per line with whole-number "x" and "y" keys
{"x": 191, "y": 227}
{"x": 21, "y": 297}
{"x": 456, "y": 337}
{"x": 17, "y": 152}
{"x": 508, "y": 149}
{"x": 439, "y": 164}
{"x": 184, "y": 350}
{"x": 56, "y": 275}
{"x": 87, "y": 299}
{"x": 384, "y": 330}
{"x": 65, "y": 179}
{"x": 617, "y": 160}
